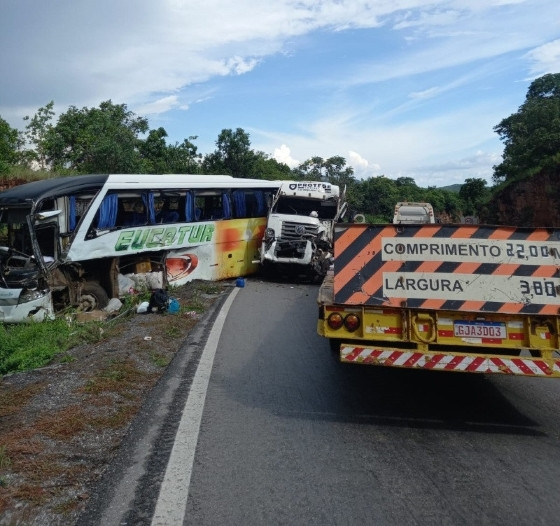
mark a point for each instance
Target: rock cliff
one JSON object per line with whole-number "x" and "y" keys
{"x": 534, "y": 201}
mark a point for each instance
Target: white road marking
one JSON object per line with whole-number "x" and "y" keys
{"x": 174, "y": 491}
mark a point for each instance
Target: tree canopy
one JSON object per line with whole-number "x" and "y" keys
{"x": 112, "y": 139}
{"x": 532, "y": 135}
{"x": 9, "y": 143}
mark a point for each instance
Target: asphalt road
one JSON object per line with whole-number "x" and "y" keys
{"x": 279, "y": 432}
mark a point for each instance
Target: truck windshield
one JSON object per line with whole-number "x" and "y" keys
{"x": 325, "y": 209}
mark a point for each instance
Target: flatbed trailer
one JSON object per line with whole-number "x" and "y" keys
{"x": 462, "y": 298}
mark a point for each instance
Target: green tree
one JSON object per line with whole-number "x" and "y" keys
{"x": 35, "y": 132}
{"x": 311, "y": 170}
{"x": 233, "y": 155}
{"x": 265, "y": 167}
{"x": 9, "y": 143}
{"x": 154, "y": 151}
{"x": 444, "y": 201}
{"x": 102, "y": 140}
{"x": 474, "y": 194}
{"x": 532, "y": 135}
{"x": 159, "y": 157}
{"x": 376, "y": 197}
{"x": 183, "y": 158}
{"x": 333, "y": 170}
{"x": 408, "y": 190}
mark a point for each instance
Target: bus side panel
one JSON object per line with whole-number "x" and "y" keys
{"x": 237, "y": 243}
{"x": 231, "y": 254}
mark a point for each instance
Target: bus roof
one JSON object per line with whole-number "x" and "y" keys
{"x": 32, "y": 192}
{"x": 27, "y": 193}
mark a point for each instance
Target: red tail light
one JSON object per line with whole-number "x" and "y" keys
{"x": 335, "y": 320}
{"x": 352, "y": 322}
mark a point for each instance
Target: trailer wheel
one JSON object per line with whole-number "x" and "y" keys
{"x": 93, "y": 297}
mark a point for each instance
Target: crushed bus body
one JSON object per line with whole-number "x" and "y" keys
{"x": 463, "y": 298}
{"x": 78, "y": 241}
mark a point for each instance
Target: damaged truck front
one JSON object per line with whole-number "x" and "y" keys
{"x": 299, "y": 233}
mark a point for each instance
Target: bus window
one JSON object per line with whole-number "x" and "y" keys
{"x": 132, "y": 212}
{"x": 166, "y": 210}
{"x": 209, "y": 206}
{"x": 46, "y": 238}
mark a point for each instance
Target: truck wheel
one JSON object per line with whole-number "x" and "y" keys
{"x": 93, "y": 297}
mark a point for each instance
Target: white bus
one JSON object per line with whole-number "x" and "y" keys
{"x": 78, "y": 241}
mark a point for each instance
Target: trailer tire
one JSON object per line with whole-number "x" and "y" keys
{"x": 93, "y": 297}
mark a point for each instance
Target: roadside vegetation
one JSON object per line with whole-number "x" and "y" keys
{"x": 28, "y": 346}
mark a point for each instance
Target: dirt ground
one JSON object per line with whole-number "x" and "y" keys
{"x": 61, "y": 425}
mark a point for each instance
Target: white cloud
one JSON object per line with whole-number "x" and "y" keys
{"x": 284, "y": 155}
{"x": 160, "y": 106}
{"x": 545, "y": 58}
{"x": 356, "y": 160}
{"x": 362, "y": 167}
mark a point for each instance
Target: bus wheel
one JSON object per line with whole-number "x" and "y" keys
{"x": 93, "y": 297}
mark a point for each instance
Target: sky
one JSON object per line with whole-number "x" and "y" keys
{"x": 399, "y": 88}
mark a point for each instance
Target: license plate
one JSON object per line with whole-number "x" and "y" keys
{"x": 475, "y": 329}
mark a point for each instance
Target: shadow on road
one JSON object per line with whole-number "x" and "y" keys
{"x": 426, "y": 399}
{"x": 291, "y": 371}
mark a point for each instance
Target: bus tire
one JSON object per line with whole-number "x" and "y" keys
{"x": 93, "y": 297}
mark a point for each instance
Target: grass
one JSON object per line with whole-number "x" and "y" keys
{"x": 31, "y": 345}
{"x": 119, "y": 376}
{"x": 13, "y": 401}
{"x": 160, "y": 360}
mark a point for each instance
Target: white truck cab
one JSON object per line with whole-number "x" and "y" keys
{"x": 299, "y": 231}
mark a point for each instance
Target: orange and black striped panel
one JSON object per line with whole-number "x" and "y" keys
{"x": 475, "y": 268}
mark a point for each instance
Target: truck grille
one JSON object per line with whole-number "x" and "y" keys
{"x": 292, "y": 230}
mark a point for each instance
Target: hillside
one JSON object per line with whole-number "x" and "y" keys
{"x": 534, "y": 201}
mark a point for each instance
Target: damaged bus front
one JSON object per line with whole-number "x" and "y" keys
{"x": 33, "y": 232}
{"x": 24, "y": 292}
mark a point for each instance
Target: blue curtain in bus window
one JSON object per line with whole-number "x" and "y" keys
{"x": 108, "y": 211}
{"x": 72, "y": 213}
{"x": 261, "y": 205}
{"x": 226, "y": 206}
{"x": 239, "y": 203}
{"x": 148, "y": 200}
{"x": 189, "y": 207}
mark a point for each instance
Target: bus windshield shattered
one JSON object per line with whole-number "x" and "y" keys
{"x": 22, "y": 267}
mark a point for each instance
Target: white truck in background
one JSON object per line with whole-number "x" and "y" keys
{"x": 298, "y": 239}
{"x": 407, "y": 212}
